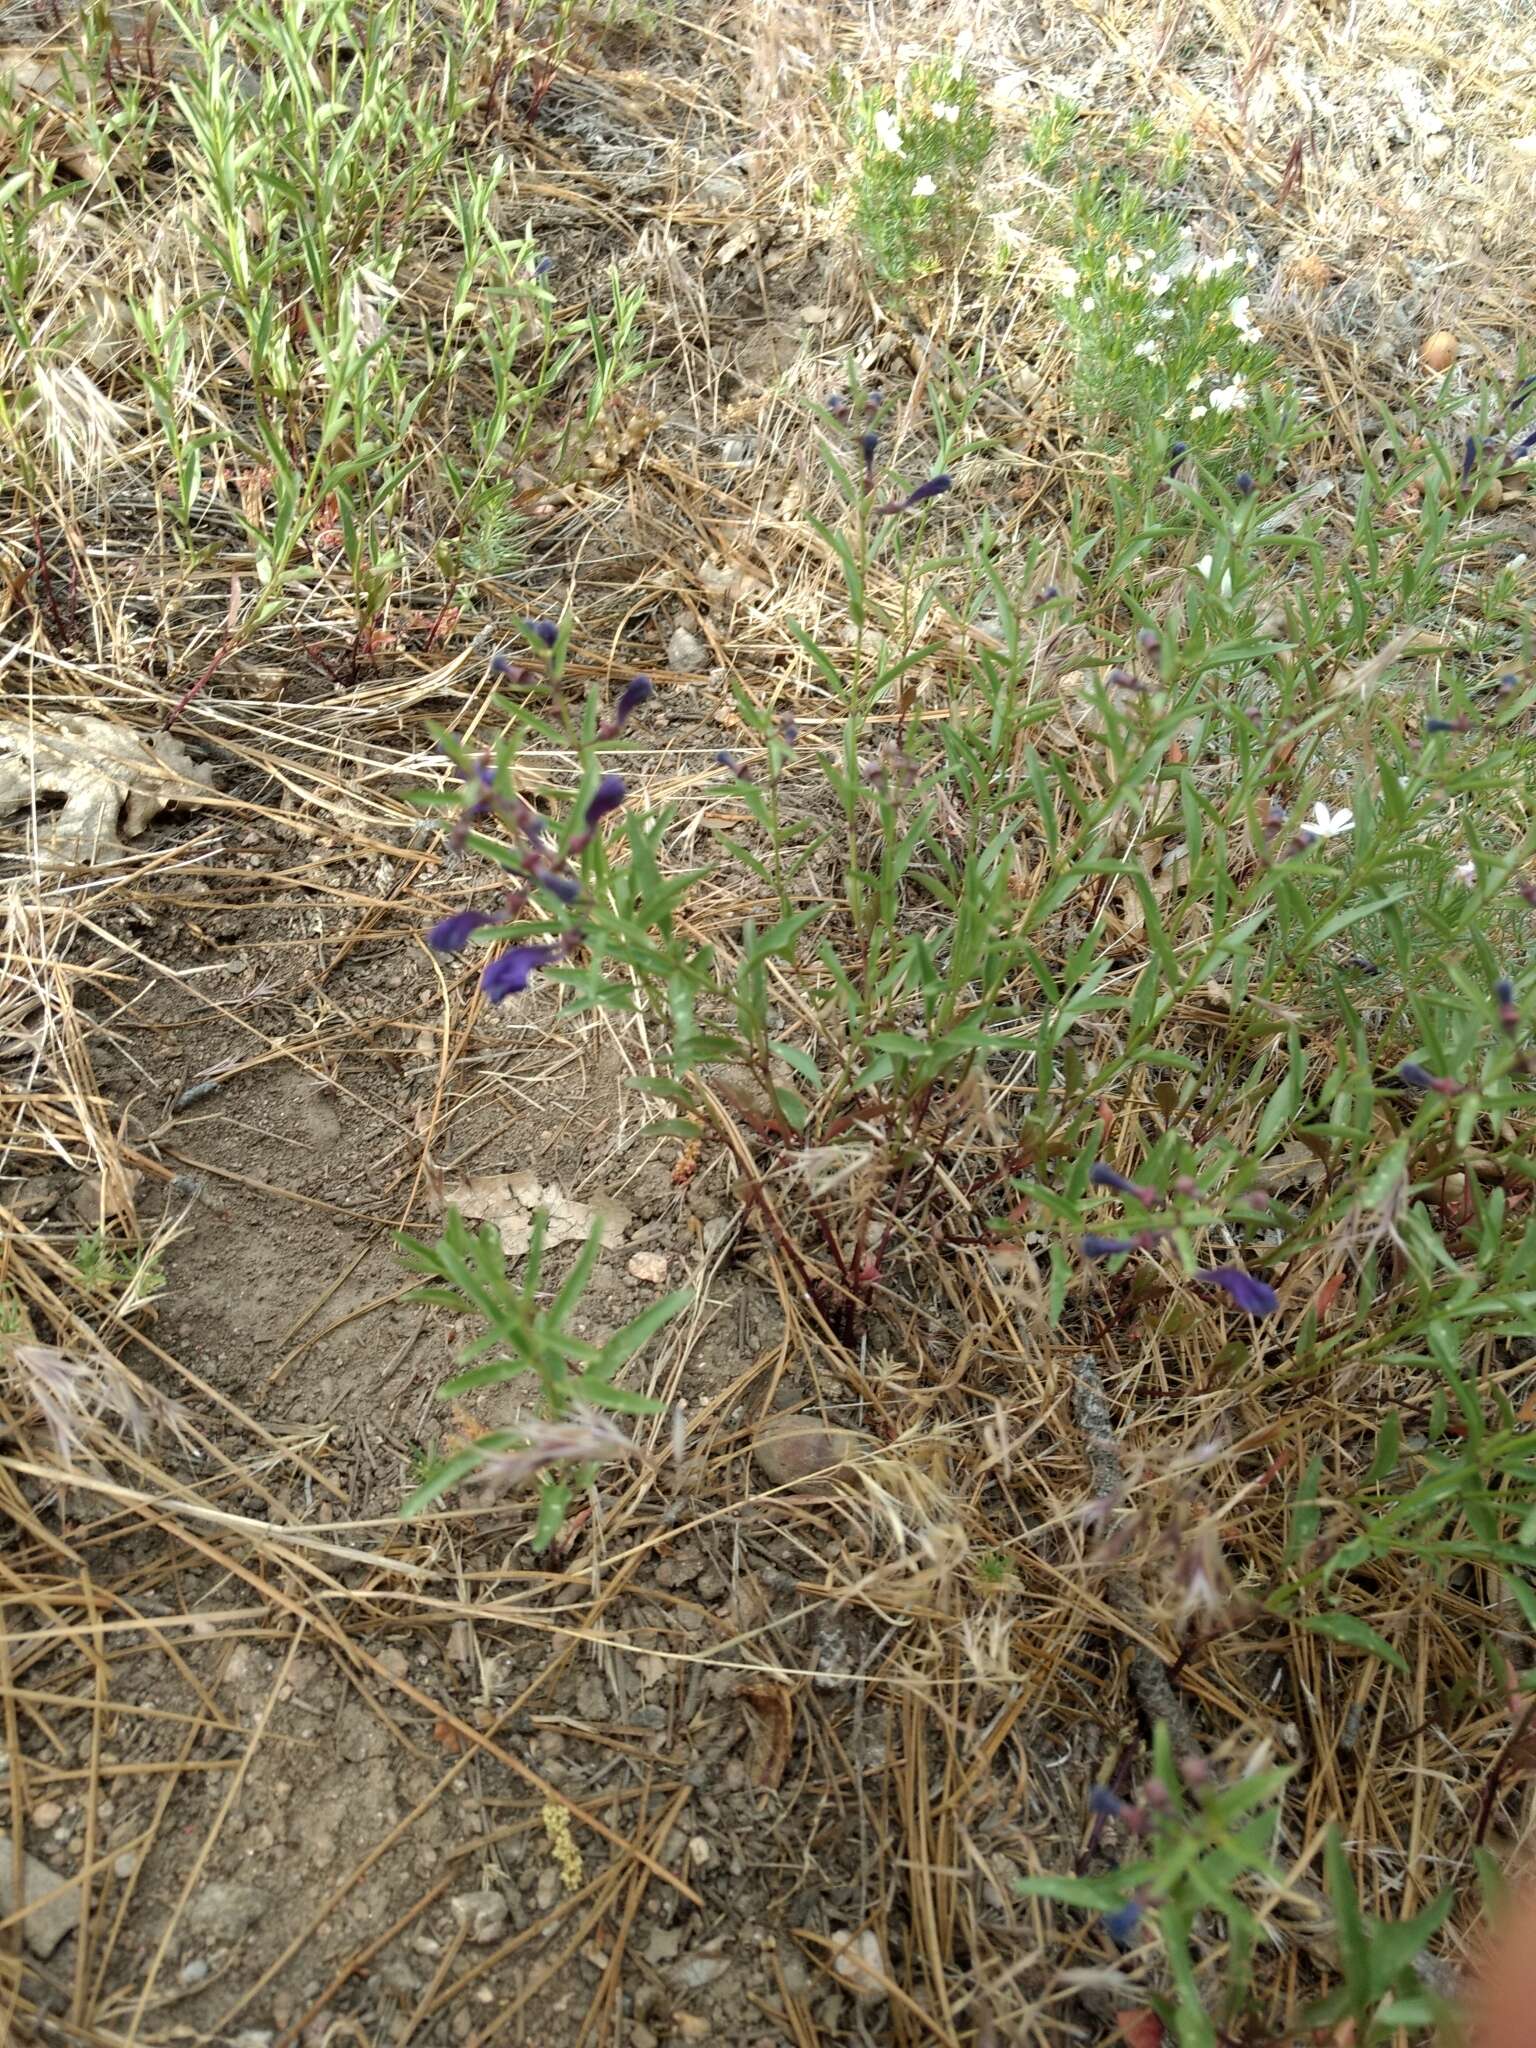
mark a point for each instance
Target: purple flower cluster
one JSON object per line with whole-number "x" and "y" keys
{"x": 1255, "y": 1297}
{"x": 540, "y": 865}
{"x": 840, "y": 407}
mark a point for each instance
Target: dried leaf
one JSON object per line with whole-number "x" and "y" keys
{"x": 770, "y": 1720}
{"x": 1140, "y": 2028}
{"x": 447, "y": 1738}
{"x": 511, "y": 1200}
{"x": 111, "y": 779}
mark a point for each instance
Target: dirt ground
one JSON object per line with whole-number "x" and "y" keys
{"x": 737, "y": 1762}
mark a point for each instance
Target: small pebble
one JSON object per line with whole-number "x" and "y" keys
{"x": 195, "y": 1971}
{"x": 48, "y": 1814}
{"x": 649, "y": 1267}
{"x": 857, "y": 1962}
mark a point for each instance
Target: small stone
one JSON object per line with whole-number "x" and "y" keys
{"x": 1437, "y": 148}
{"x": 463, "y": 2020}
{"x": 124, "y": 1867}
{"x": 689, "y": 2028}
{"x": 686, "y": 652}
{"x": 640, "y": 2036}
{"x": 393, "y": 1661}
{"x": 46, "y": 1926}
{"x": 223, "y": 1912}
{"x": 790, "y": 1449}
{"x": 195, "y": 1971}
{"x": 693, "y": 1973}
{"x": 649, "y": 1267}
{"x": 48, "y": 1814}
{"x": 699, "y": 1851}
{"x": 482, "y": 1915}
{"x": 1440, "y": 351}
{"x": 592, "y": 1700}
{"x": 548, "y": 1890}
{"x": 254, "y": 2037}
{"x": 856, "y": 1961}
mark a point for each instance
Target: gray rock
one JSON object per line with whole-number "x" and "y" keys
{"x": 686, "y": 652}
{"x": 482, "y": 1915}
{"x": 221, "y": 1913}
{"x": 194, "y": 1972}
{"x": 47, "y": 1926}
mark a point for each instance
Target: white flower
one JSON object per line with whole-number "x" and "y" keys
{"x": 1327, "y": 824}
{"x": 1112, "y": 266}
{"x": 1194, "y": 384}
{"x": 1466, "y": 873}
{"x": 1216, "y": 266}
{"x": 1070, "y": 279}
{"x": 1088, "y": 303}
{"x": 1149, "y": 349}
{"x": 888, "y": 130}
{"x": 946, "y": 110}
{"x": 1163, "y": 313}
{"x": 924, "y": 187}
{"x": 1243, "y": 320}
{"x": 1198, "y": 412}
{"x": 1158, "y": 283}
{"x": 1204, "y": 565}
{"x": 1133, "y": 263}
{"x": 1231, "y": 397}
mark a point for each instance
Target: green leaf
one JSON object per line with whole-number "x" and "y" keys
{"x": 1354, "y": 1949}
{"x": 1358, "y": 1634}
{"x": 554, "y": 1499}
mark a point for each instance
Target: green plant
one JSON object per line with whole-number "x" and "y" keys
{"x": 918, "y": 152}
{"x": 561, "y": 1448}
{"x": 1065, "y": 916}
{"x": 345, "y": 350}
{"x": 1165, "y": 341}
{"x": 1204, "y": 1851}
{"x": 104, "y": 1268}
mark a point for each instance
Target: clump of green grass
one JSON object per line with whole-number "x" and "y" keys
{"x": 338, "y": 339}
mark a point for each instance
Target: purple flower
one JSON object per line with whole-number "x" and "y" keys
{"x": 1420, "y": 1077}
{"x": 607, "y": 797}
{"x": 1509, "y": 1009}
{"x": 542, "y": 629}
{"x": 1243, "y": 484}
{"x": 637, "y": 691}
{"x": 1106, "y": 1247}
{"x": 511, "y": 670}
{"x": 1101, "y": 1176}
{"x": 565, "y": 887}
{"x": 507, "y": 974}
{"x": 543, "y": 266}
{"x": 1254, "y": 1297}
{"x": 1121, "y": 1925}
{"x": 1462, "y": 724}
{"x": 935, "y": 487}
{"x": 452, "y": 934}
{"x": 870, "y": 445}
{"x": 1103, "y": 1801}
{"x": 837, "y": 404}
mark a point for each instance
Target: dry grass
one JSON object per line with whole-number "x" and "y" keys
{"x": 946, "y": 1729}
